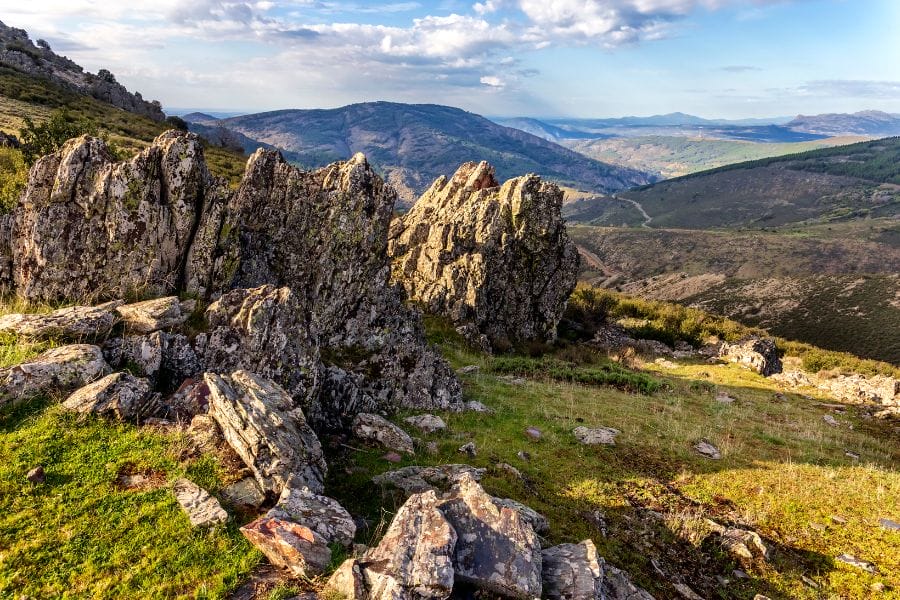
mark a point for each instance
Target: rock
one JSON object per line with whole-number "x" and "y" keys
{"x": 758, "y": 354}
{"x": 830, "y": 420}
{"x": 415, "y": 479}
{"x": 152, "y": 315}
{"x": 708, "y": 450}
{"x": 743, "y": 544}
{"x": 348, "y": 581}
{"x": 392, "y": 457}
{"x": 72, "y": 323}
{"x": 373, "y": 428}
{"x": 291, "y": 546}
{"x": 618, "y": 586}
{"x": 469, "y": 370}
{"x": 119, "y": 396}
{"x": 538, "y": 522}
{"x": 509, "y": 469}
{"x": 599, "y": 435}
{"x": 838, "y": 520}
{"x": 56, "y": 370}
{"x": 572, "y": 572}
{"x": 322, "y": 514}
{"x": 494, "y": 257}
{"x": 498, "y": 550}
{"x": 889, "y": 524}
{"x": 205, "y": 432}
{"x": 260, "y": 423}
{"x": 523, "y": 455}
{"x": 851, "y": 455}
{"x": 513, "y": 380}
{"x": 244, "y": 492}
{"x": 533, "y": 432}
{"x": 686, "y": 592}
{"x": 856, "y": 562}
{"x": 724, "y": 398}
{"x": 202, "y": 509}
{"x": 426, "y": 423}
{"x": 476, "y": 406}
{"x": 36, "y": 475}
{"x": 129, "y": 225}
{"x": 415, "y": 557}
{"x": 468, "y": 449}
{"x": 189, "y": 400}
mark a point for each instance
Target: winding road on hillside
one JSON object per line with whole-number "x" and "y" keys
{"x": 637, "y": 205}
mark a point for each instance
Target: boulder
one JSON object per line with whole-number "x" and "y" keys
{"x": 291, "y": 546}
{"x": 599, "y": 435}
{"x": 244, "y": 492}
{"x": 201, "y": 508}
{"x": 72, "y": 323}
{"x": 498, "y": 550}
{"x": 167, "y": 359}
{"x": 322, "y": 514}
{"x": 376, "y": 429}
{"x": 494, "y": 257}
{"x": 538, "y": 522}
{"x": 708, "y": 450}
{"x": 426, "y": 423}
{"x": 617, "y": 585}
{"x": 159, "y": 313}
{"x": 119, "y": 396}
{"x": 756, "y": 353}
{"x": 259, "y": 421}
{"x": 348, "y": 581}
{"x": 415, "y": 479}
{"x": 415, "y": 557}
{"x": 572, "y": 572}
{"x": 57, "y": 370}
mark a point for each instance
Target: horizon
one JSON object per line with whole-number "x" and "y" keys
{"x": 738, "y": 59}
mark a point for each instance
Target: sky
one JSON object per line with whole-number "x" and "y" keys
{"x": 542, "y": 58}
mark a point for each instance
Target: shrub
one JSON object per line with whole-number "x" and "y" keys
{"x": 48, "y": 137}
{"x": 13, "y": 178}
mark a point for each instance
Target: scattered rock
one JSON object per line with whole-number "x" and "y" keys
{"x": 159, "y": 313}
{"x": 469, "y": 370}
{"x": 415, "y": 479}
{"x": 538, "y": 522}
{"x": 725, "y": 398}
{"x": 468, "y": 449}
{"x": 294, "y": 547}
{"x": 373, "y": 428}
{"x": 830, "y": 420}
{"x": 599, "y": 435}
{"x": 572, "y": 572}
{"x": 261, "y": 424}
{"x": 761, "y": 597}
{"x": 852, "y": 455}
{"x": 497, "y": 258}
{"x": 426, "y": 423}
{"x": 244, "y": 492}
{"x": 36, "y": 475}
{"x": 618, "y": 586}
{"x": 513, "y": 380}
{"x": 708, "y": 450}
{"x": 201, "y": 508}
{"x": 533, "y": 432}
{"x": 838, "y": 520}
{"x": 72, "y": 323}
{"x": 392, "y": 457}
{"x": 686, "y": 592}
{"x": 889, "y": 524}
{"x": 322, "y": 514}
{"x": 856, "y": 562}
{"x": 755, "y": 353}
{"x": 119, "y": 396}
{"x": 523, "y": 455}
{"x": 348, "y": 581}
{"x": 739, "y": 574}
{"x": 743, "y": 544}
{"x": 509, "y": 469}
{"x": 476, "y": 406}
{"x": 498, "y": 549}
{"x": 57, "y": 370}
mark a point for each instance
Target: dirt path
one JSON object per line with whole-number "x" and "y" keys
{"x": 637, "y": 205}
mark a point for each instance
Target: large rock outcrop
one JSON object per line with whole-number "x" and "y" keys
{"x": 494, "y": 259}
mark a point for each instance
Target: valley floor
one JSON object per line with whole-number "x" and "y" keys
{"x": 785, "y": 473}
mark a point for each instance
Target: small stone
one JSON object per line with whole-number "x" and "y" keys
{"x": 687, "y": 592}
{"x": 725, "y": 398}
{"x": 889, "y": 524}
{"x": 201, "y": 508}
{"x": 523, "y": 455}
{"x": 36, "y": 475}
{"x": 743, "y": 544}
{"x": 415, "y": 479}
{"x": 830, "y": 420}
{"x": 392, "y": 457}
{"x": 289, "y": 545}
{"x": 468, "y": 449}
{"x": 533, "y": 433}
{"x": 245, "y": 492}
{"x": 739, "y": 574}
{"x": 852, "y": 455}
{"x": 708, "y": 450}
{"x": 513, "y": 380}
{"x": 838, "y": 519}
{"x": 476, "y": 406}
{"x": 856, "y": 562}
{"x": 509, "y": 469}
{"x": 877, "y": 587}
{"x": 373, "y": 428}
{"x": 469, "y": 369}
{"x": 600, "y": 435}
{"x": 426, "y": 423}
{"x": 817, "y": 526}
{"x": 809, "y": 582}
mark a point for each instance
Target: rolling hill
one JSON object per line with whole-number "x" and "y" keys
{"x": 413, "y": 144}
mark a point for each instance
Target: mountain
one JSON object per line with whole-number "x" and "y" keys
{"x": 199, "y": 117}
{"x": 18, "y": 52}
{"x": 546, "y": 130}
{"x": 413, "y": 144}
{"x": 869, "y": 122}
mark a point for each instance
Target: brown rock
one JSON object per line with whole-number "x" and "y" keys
{"x": 298, "y": 549}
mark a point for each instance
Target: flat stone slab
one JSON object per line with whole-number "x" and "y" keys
{"x": 377, "y": 429}
{"x": 598, "y": 435}
{"x": 202, "y": 509}
{"x": 706, "y": 449}
{"x": 59, "y": 369}
{"x": 71, "y": 323}
{"x": 152, "y": 315}
{"x": 426, "y": 423}
{"x": 120, "y": 396}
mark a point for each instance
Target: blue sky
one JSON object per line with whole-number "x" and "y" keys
{"x": 589, "y": 58}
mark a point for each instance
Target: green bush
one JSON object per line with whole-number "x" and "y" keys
{"x": 13, "y": 178}
{"x": 48, "y": 137}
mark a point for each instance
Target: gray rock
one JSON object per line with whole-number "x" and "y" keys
{"x": 376, "y": 429}
{"x": 755, "y": 353}
{"x": 415, "y": 479}
{"x": 476, "y": 406}
{"x": 856, "y": 562}
{"x": 289, "y": 545}
{"x": 889, "y": 524}
{"x": 426, "y": 423}
{"x": 348, "y": 581}
{"x": 260, "y": 423}
{"x": 708, "y": 450}
{"x": 119, "y": 396}
{"x": 538, "y": 522}
{"x": 57, "y": 370}
{"x": 572, "y": 572}
{"x": 494, "y": 257}
{"x": 509, "y": 469}
{"x": 244, "y": 492}
{"x": 322, "y": 514}
{"x": 830, "y": 420}
{"x": 202, "y": 509}
{"x": 599, "y": 435}
{"x": 617, "y": 585}
{"x": 533, "y": 432}
{"x": 686, "y": 592}
{"x": 744, "y": 545}
{"x": 152, "y": 315}
{"x": 498, "y": 550}
{"x": 469, "y": 370}
{"x": 72, "y": 323}
{"x": 468, "y": 449}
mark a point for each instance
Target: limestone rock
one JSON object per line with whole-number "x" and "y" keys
{"x": 119, "y": 396}
{"x": 496, "y": 257}
{"x": 373, "y": 428}
{"x": 415, "y": 479}
{"x": 599, "y": 435}
{"x": 272, "y": 437}
{"x": 72, "y": 323}
{"x": 708, "y": 450}
{"x": 202, "y": 509}
{"x": 415, "y": 557}
{"x": 686, "y": 592}
{"x": 617, "y": 585}
{"x": 498, "y": 550}
{"x": 851, "y": 560}
{"x": 758, "y": 354}
{"x": 244, "y": 492}
{"x": 572, "y": 572}
{"x": 322, "y": 514}
{"x": 538, "y": 522}
{"x": 289, "y": 545}
{"x": 348, "y": 581}
{"x": 426, "y": 423}
{"x": 743, "y": 544}
{"x": 468, "y": 449}
{"x": 152, "y": 315}
{"x": 59, "y": 369}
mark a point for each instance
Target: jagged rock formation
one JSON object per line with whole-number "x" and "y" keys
{"x": 58, "y": 369}
{"x": 756, "y": 353}
{"x": 494, "y": 259}
{"x": 18, "y": 51}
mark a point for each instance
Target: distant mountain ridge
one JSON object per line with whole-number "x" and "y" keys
{"x": 868, "y": 122}
{"x": 413, "y": 144}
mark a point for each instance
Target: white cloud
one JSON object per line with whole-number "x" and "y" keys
{"x": 492, "y": 81}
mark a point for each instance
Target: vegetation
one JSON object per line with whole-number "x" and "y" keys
{"x": 49, "y": 136}
{"x": 603, "y": 373}
{"x": 13, "y": 178}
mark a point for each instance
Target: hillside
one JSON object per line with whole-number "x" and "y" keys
{"x": 414, "y": 144}
{"x": 868, "y": 122}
